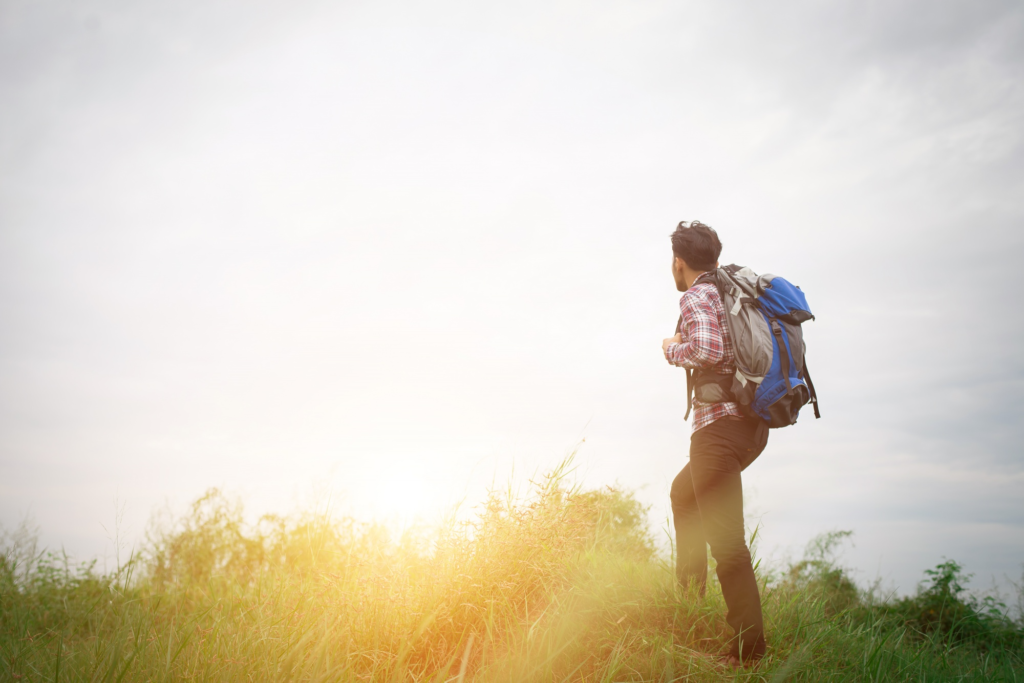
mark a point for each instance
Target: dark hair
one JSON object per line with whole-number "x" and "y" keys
{"x": 697, "y": 244}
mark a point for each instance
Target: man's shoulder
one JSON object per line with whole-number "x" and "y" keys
{"x": 704, "y": 286}
{"x": 705, "y": 293}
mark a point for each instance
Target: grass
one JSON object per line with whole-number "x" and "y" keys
{"x": 563, "y": 586}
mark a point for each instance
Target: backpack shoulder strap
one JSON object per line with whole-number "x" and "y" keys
{"x": 689, "y": 393}
{"x": 810, "y": 387}
{"x": 689, "y": 378}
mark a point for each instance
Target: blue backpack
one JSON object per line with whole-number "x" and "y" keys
{"x": 764, "y": 314}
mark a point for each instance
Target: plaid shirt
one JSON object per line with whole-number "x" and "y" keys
{"x": 706, "y": 344}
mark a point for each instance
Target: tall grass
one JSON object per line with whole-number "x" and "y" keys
{"x": 565, "y": 585}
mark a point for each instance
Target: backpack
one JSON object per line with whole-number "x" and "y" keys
{"x": 764, "y": 315}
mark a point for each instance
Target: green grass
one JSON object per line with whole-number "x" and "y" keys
{"x": 563, "y": 586}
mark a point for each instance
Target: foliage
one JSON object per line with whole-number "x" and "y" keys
{"x": 944, "y": 611}
{"x": 565, "y": 585}
{"x": 817, "y": 575}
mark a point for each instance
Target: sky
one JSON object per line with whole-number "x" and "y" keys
{"x": 394, "y": 253}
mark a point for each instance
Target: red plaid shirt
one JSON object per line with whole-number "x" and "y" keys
{"x": 706, "y": 345}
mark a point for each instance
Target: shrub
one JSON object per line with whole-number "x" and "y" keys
{"x": 943, "y": 610}
{"x": 817, "y": 576}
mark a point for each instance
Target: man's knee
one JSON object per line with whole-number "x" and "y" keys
{"x": 681, "y": 493}
{"x": 731, "y": 556}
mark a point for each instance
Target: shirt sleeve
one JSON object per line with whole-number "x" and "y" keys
{"x": 702, "y": 345}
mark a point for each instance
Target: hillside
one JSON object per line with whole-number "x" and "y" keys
{"x": 566, "y": 585}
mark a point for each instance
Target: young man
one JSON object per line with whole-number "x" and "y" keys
{"x": 707, "y": 496}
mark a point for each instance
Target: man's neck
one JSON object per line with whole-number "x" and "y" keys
{"x": 696, "y": 276}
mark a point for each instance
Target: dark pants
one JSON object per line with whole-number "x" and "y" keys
{"x": 707, "y": 508}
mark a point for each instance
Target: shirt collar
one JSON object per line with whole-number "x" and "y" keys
{"x": 705, "y": 277}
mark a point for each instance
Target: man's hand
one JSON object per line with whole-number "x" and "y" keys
{"x": 678, "y": 339}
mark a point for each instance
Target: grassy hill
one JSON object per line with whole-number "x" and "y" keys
{"x": 563, "y": 586}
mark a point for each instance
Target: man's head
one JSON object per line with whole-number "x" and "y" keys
{"x": 695, "y": 250}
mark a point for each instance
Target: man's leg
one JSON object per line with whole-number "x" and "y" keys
{"x": 718, "y": 453}
{"x": 691, "y": 547}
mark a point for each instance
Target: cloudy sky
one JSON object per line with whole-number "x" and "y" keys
{"x": 393, "y": 252}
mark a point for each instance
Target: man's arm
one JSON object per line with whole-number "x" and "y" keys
{"x": 666, "y": 343}
{"x": 704, "y": 346}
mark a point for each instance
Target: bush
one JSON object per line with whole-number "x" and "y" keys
{"x": 942, "y": 610}
{"x": 45, "y": 592}
{"x": 818, "y": 577}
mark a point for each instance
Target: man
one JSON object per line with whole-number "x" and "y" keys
{"x": 707, "y": 496}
